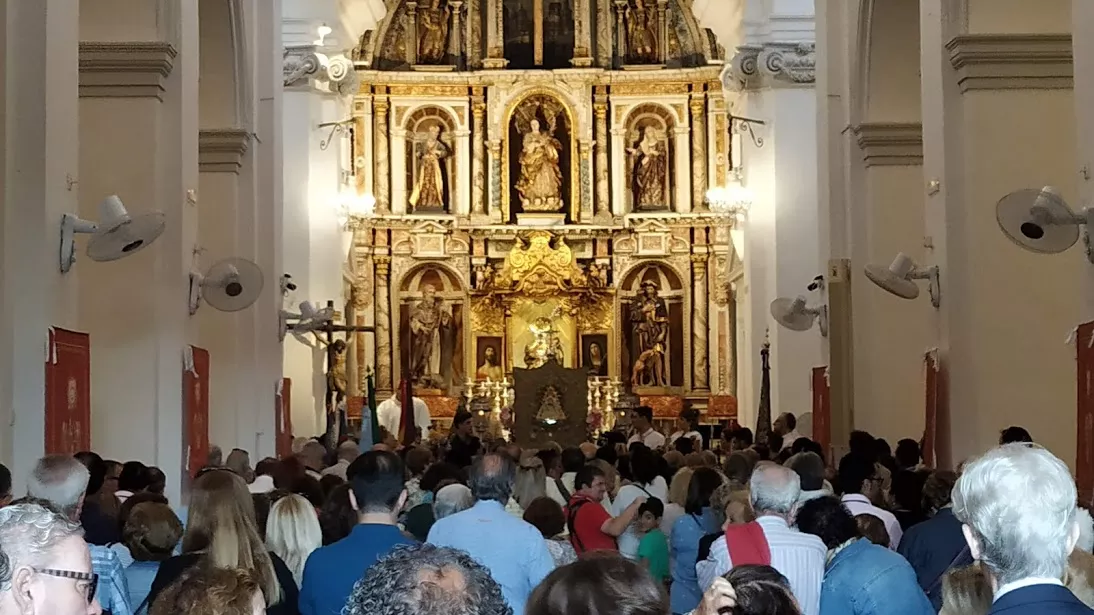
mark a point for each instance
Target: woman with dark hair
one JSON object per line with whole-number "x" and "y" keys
{"x": 599, "y": 585}
{"x": 699, "y": 519}
{"x": 420, "y": 519}
{"x": 750, "y": 590}
{"x": 133, "y": 479}
{"x": 646, "y": 482}
{"x": 547, "y": 517}
{"x": 337, "y": 518}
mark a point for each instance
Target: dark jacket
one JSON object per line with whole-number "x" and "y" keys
{"x": 1040, "y": 600}
{"x": 932, "y": 548}
{"x": 172, "y": 569}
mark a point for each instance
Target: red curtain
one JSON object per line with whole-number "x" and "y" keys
{"x": 284, "y": 419}
{"x": 195, "y": 395}
{"x": 931, "y": 393}
{"x": 68, "y": 392}
{"x": 1084, "y": 447}
{"x": 822, "y": 409}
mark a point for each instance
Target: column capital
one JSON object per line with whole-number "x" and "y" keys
{"x": 699, "y": 262}
{"x": 383, "y": 267}
{"x": 771, "y": 64}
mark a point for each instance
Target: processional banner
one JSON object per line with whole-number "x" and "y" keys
{"x": 822, "y": 408}
{"x": 1084, "y": 447}
{"x": 195, "y": 399}
{"x": 283, "y": 418}
{"x": 68, "y": 392}
{"x": 931, "y": 400}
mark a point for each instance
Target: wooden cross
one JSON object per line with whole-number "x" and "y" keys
{"x": 329, "y": 329}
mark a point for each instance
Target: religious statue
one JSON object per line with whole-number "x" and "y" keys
{"x": 540, "y": 183}
{"x": 550, "y": 407}
{"x": 428, "y": 194}
{"x": 484, "y": 276}
{"x": 433, "y": 24}
{"x": 427, "y": 322}
{"x": 337, "y": 383}
{"x": 545, "y": 347}
{"x": 490, "y": 368}
{"x": 641, "y": 31}
{"x": 651, "y": 316}
{"x": 596, "y": 276}
{"x": 649, "y": 171}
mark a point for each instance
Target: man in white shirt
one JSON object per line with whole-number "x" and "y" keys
{"x": 642, "y": 422}
{"x": 687, "y": 426}
{"x": 774, "y": 492}
{"x": 390, "y": 413}
{"x": 861, "y": 486}
{"x": 787, "y": 427}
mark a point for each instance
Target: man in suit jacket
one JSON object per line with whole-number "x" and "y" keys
{"x": 1017, "y": 507}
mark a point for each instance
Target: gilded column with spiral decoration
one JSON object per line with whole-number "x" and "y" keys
{"x": 478, "y": 152}
{"x": 603, "y": 198}
{"x": 383, "y": 325}
{"x": 698, "y": 152}
{"x": 700, "y": 370}
{"x": 381, "y": 159}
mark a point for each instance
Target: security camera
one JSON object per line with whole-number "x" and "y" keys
{"x": 287, "y": 285}
{"x": 817, "y": 283}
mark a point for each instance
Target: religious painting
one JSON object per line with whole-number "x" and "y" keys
{"x": 649, "y": 158}
{"x": 653, "y": 337}
{"x": 558, "y": 33}
{"x": 431, "y": 331}
{"x": 540, "y": 155}
{"x": 519, "y": 27}
{"x": 488, "y": 358}
{"x": 594, "y": 354}
{"x": 429, "y": 165}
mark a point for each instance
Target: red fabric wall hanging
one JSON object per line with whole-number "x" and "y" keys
{"x": 822, "y": 408}
{"x": 1084, "y": 446}
{"x": 195, "y": 395}
{"x": 68, "y": 392}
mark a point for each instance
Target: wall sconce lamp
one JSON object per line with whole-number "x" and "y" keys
{"x": 732, "y": 203}
{"x": 744, "y": 125}
{"x": 339, "y": 128}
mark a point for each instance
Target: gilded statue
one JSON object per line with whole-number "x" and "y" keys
{"x": 651, "y": 317}
{"x": 427, "y": 322}
{"x": 544, "y": 347}
{"x": 540, "y": 183}
{"x": 641, "y": 31}
{"x": 491, "y": 366}
{"x": 428, "y": 194}
{"x": 433, "y": 24}
{"x": 649, "y": 170}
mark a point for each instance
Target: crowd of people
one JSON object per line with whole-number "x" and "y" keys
{"x": 634, "y": 524}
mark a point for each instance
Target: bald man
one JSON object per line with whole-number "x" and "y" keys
{"x": 589, "y": 449}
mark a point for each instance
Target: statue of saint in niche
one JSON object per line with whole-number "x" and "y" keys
{"x": 651, "y": 317}
{"x": 428, "y": 194}
{"x": 649, "y": 170}
{"x": 540, "y": 183}
{"x": 427, "y": 322}
{"x": 642, "y": 33}
{"x": 433, "y": 26}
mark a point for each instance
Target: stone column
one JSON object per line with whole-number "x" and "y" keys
{"x": 620, "y": 33}
{"x": 683, "y": 194}
{"x": 473, "y": 35}
{"x": 604, "y": 33}
{"x": 383, "y": 325}
{"x": 478, "y": 152}
{"x": 460, "y": 188}
{"x": 537, "y": 31}
{"x": 603, "y": 196}
{"x": 698, "y": 152}
{"x": 585, "y": 179}
{"x": 582, "y": 41}
{"x": 662, "y": 31}
{"x": 495, "y": 36}
{"x": 455, "y": 43}
{"x": 495, "y": 178}
{"x": 381, "y": 161}
{"x": 412, "y": 32}
{"x": 700, "y": 327}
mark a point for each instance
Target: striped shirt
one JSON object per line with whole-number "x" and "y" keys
{"x": 799, "y": 557}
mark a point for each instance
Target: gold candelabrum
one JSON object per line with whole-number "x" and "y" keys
{"x": 603, "y": 394}
{"x": 497, "y": 395}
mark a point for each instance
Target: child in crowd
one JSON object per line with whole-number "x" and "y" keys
{"x": 653, "y": 548}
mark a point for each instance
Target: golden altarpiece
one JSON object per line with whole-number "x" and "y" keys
{"x": 543, "y": 161}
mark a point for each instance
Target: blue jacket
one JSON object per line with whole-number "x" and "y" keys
{"x": 1040, "y": 600}
{"x": 866, "y": 579}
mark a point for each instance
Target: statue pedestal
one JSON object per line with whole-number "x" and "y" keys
{"x": 541, "y": 219}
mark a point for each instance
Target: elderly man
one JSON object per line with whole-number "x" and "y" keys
{"x": 62, "y": 481}
{"x": 46, "y": 565}
{"x": 1017, "y": 504}
{"x": 427, "y": 580}
{"x": 786, "y": 425}
{"x": 774, "y": 492}
{"x": 347, "y": 452}
{"x": 511, "y": 549}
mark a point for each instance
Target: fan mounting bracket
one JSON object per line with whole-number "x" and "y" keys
{"x": 934, "y": 286}
{"x": 70, "y": 226}
{"x": 822, "y": 319}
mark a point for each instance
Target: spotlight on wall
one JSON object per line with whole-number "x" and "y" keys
{"x": 899, "y": 278}
{"x": 1041, "y": 221}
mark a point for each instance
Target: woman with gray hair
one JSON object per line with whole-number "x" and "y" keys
{"x": 450, "y": 500}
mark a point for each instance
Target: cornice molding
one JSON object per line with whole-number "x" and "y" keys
{"x": 125, "y": 69}
{"x": 890, "y": 144}
{"x": 1012, "y": 61}
{"x": 221, "y": 150}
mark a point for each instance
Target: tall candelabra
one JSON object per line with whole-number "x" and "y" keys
{"x": 497, "y": 395}
{"x": 603, "y": 394}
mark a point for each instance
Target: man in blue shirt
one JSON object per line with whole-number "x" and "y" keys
{"x": 378, "y": 493}
{"x": 512, "y": 550}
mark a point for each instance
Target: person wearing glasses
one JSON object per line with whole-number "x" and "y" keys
{"x": 45, "y": 566}
{"x": 861, "y": 486}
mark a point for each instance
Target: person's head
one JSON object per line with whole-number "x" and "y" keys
{"x": 60, "y": 480}
{"x": 642, "y": 418}
{"x": 427, "y": 580}
{"x": 597, "y": 585}
{"x": 40, "y": 552}
{"x": 552, "y": 462}
{"x": 785, "y": 424}
{"x": 239, "y": 461}
{"x": 378, "y": 483}
{"x": 547, "y": 516}
{"x": 761, "y": 590}
{"x": 441, "y": 475}
{"x": 134, "y": 477}
{"x": 1014, "y": 434}
{"x": 293, "y": 532}
{"x": 589, "y": 450}
{"x": 702, "y": 485}
{"x": 451, "y": 499}
{"x": 492, "y": 477}
{"x": 873, "y": 529}
{"x": 679, "y": 486}
{"x": 739, "y": 467}
{"x": 5, "y": 486}
{"x": 591, "y": 482}
{"x": 687, "y": 420}
{"x": 810, "y": 469}
{"x": 740, "y": 439}
{"x": 417, "y": 460}
{"x": 96, "y": 468}
{"x": 462, "y": 424}
{"x": 907, "y": 490}
{"x": 328, "y": 483}
{"x": 490, "y": 355}
{"x": 649, "y": 515}
{"x": 572, "y": 459}
{"x": 858, "y": 475}
{"x": 644, "y": 466}
{"x": 863, "y": 443}
{"x": 221, "y": 524}
{"x": 531, "y": 481}
{"x": 267, "y": 467}
{"x": 312, "y": 455}
{"x": 966, "y": 590}
{"x": 151, "y": 532}
{"x": 310, "y": 488}
{"x": 348, "y": 451}
{"x": 211, "y": 590}
{"x": 828, "y": 519}
{"x": 337, "y": 517}
{"x": 684, "y": 446}
{"x": 215, "y": 457}
{"x": 113, "y": 471}
{"x": 774, "y": 490}
{"x": 1017, "y": 503}
{"x": 907, "y": 454}
{"x": 262, "y": 505}
{"x": 157, "y": 481}
{"x": 938, "y": 491}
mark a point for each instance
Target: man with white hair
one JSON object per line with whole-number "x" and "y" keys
{"x": 774, "y": 494}
{"x": 347, "y": 452}
{"x": 45, "y": 568}
{"x": 62, "y": 481}
{"x": 1017, "y": 504}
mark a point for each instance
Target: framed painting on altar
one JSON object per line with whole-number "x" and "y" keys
{"x": 594, "y": 353}
{"x": 489, "y": 358}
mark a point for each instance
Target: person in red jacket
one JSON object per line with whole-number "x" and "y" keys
{"x": 592, "y": 528}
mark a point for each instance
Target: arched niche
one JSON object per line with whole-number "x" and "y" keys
{"x": 653, "y": 295}
{"x": 222, "y": 64}
{"x": 431, "y": 172}
{"x": 888, "y": 88}
{"x": 432, "y": 312}
{"x": 549, "y": 113}
{"x": 651, "y": 158}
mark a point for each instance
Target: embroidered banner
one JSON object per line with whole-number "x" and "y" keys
{"x": 822, "y": 409}
{"x": 195, "y": 397}
{"x": 284, "y": 419}
{"x": 931, "y": 396}
{"x": 68, "y": 392}
{"x": 1084, "y": 446}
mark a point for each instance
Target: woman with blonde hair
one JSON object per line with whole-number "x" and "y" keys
{"x": 531, "y": 483}
{"x": 678, "y": 496}
{"x": 293, "y": 532}
{"x": 221, "y": 531}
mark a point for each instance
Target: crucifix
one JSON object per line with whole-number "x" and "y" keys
{"x": 337, "y": 382}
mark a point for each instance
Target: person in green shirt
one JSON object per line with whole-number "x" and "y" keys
{"x": 653, "y": 548}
